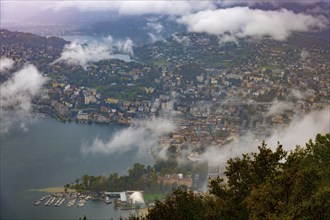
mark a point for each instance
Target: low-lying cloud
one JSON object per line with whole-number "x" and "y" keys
{"x": 184, "y": 40}
{"x": 278, "y": 107}
{"x": 240, "y": 22}
{"x": 304, "y": 55}
{"x": 282, "y": 3}
{"x": 83, "y": 54}
{"x": 142, "y": 135}
{"x": 298, "y": 132}
{"x": 16, "y": 97}
{"x": 136, "y": 7}
{"x": 297, "y": 94}
{"x": 156, "y": 27}
{"x": 23, "y": 10}
{"x": 6, "y": 64}
{"x": 155, "y": 37}
{"x": 126, "y": 47}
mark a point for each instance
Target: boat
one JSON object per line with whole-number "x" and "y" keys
{"x": 71, "y": 202}
{"x": 107, "y": 200}
{"x": 57, "y": 201}
{"x": 37, "y": 203}
{"x": 61, "y": 202}
{"x": 52, "y": 201}
{"x": 48, "y": 201}
{"x": 81, "y": 203}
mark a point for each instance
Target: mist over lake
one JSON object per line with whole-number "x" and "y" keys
{"x": 49, "y": 154}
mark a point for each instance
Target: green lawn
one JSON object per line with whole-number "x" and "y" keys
{"x": 151, "y": 197}
{"x": 52, "y": 189}
{"x": 160, "y": 62}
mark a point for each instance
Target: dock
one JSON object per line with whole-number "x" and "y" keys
{"x": 58, "y": 199}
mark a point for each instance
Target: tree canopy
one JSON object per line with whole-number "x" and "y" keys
{"x": 268, "y": 184}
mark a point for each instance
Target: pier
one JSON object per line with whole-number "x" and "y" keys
{"x": 58, "y": 199}
{"x": 125, "y": 200}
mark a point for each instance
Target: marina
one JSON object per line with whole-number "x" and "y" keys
{"x": 58, "y": 199}
{"x": 125, "y": 200}
{"x": 19, "y": 189}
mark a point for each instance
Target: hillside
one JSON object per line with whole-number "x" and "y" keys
{"x": 265, "y": 185}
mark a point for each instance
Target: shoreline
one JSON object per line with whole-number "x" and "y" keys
{"x": 53, "y": 189}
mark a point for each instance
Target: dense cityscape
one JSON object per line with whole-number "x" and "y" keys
{"x": 229, "y": 91}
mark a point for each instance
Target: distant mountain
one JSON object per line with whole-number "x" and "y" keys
{"x": 138, "y": 28}
{"x": 70, "y": 16}
{"x": 30, "y": 40}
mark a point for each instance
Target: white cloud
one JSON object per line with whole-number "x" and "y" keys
{"x": 318, "y": 10}
{"x": 298, "y": 132}
{"x": 304, "y": 55}
{"x": 278, "y": 107}
{"x": 83, "y": 54}
{"x": 227, "y": 38}
{"x": 13, "y": 11}
{"x": 296, "y": 94}
{"x": 16, "y": 95}
{"x": 300, "y": 95}
{"x": 136, "y": 7}
{"x": 142, "y": 135}
{"x": 155, "y": 37}
{"x": 156, "y": 26}
{"x": 126, "y": 46}
{"x": 6, "y": 64}
{"x": 301, "y": 129}
{"x": 108, "y": 40}
{"x": 184, "y": 40}
{"x": 245, "y": 22}
{"x": 277, "y": 3}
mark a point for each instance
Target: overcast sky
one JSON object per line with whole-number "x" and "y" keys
{"x": 229, "y": 19}
{"x": 12, "y": 10}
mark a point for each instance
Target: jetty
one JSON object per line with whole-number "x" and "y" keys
{"x": 58, "y": 199}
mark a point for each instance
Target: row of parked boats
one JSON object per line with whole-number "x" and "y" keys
{"x": 58, "y": 199}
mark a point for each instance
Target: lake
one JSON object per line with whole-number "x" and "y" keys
{"x": 82, "y": 39}
{"x": 49, "y": 154}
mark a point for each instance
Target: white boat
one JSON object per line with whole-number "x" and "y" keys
{"x": 37, "y": 203}
{"x": 107, "y": 200}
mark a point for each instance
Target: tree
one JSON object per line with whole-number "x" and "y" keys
{"x": 181, "y": 204}
{"x": 85, "y": 181}
{"x": 244, "y": 174}
{"x": 299, "y": 190}
{"x": 137, "y": 170}
{"x": 66, "y": 187}
{"x": 264, "y": 185}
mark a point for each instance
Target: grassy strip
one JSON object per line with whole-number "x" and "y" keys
{"x": 151, "y": 197}
{"x": 52, "y": 189}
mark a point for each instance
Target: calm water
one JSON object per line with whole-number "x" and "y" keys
{"x": 49, "y": 154}
{"x": 81, "y": 39}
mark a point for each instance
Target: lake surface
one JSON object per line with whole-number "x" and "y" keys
{"x": 49, "y": 154}
{"x": 82, "y": 39}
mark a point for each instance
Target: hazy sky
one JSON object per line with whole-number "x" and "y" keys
{"x": 12, "y": 10}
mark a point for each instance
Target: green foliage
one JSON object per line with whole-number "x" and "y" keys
{"x": 300, "y": 190}
{"x": 264, "y": 185}
{"x": 190, "y": 71}
{"x": 181, "y": 204}
{"x": 151, "y": 197}
{"x": 139, "y": 178}
{"x": 137, "y": 171}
